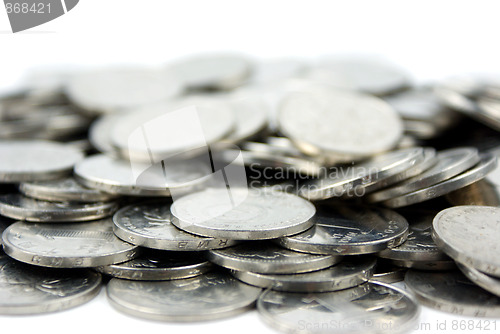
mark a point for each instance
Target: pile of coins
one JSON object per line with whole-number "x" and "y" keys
{"x": 203, "y": 187}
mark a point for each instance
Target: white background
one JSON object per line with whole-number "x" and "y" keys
{"x": 433, "y": 39}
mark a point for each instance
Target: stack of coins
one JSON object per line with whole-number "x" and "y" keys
{"x": 213, "y": 184}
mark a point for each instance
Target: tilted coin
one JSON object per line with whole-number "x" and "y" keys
{"x": 388, "y": 273}
{"x": 35, "y": 160}
{"x": 242, "y": 214}
{"x": 158, "y": 266}
{"x": 66, "y": 189}
{"x": 350, "y": 230}
{"x": 74, "y": 245}
{"x": 17, "y": 206}
{"x": 150, "y": 225}
{"x": 481, "y": 192}
{"x": 206, "y": 297}
{"x": 368, "y": 308}
{"x": 485, "y": 281}
{"x": 26, "y": 289}
{"x": 452, "y": 292}
{"x": 476, "y": 173}
{"x": 343, "y": 125}
{"x": 470, "y": 234}
{"x": 266, "y": 257}
{"x": 450, "y": 162}
{"x": 99, "y": 133}
{"x": 346, "y": 274}
{"x": 251, "y": 116}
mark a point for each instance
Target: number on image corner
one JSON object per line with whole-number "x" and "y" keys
{"x": 35, "y": 8}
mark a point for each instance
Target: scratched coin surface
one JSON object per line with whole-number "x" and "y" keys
{"x": 267, "y": 257}
{"x": 34, "y": 160}
{"x": 206, "y": 297}
{"x": 150, "y": 225}
{"x": 346, "y": 274}
{"x": 74, "y": 245}
{"x": 470, "y": 234}
{"x": 17, "y": 206}
{"x": 452, "y": 292}
{"x": 242, "y": 214}
{"x": 158, "y": 266}
{"x": 350, "y": 230}
{"x": 25, "y": 289}
{"x": 365, "y": 309}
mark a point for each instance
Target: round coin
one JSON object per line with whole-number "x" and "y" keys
{"x": 350, "y": 230}
{"x": 206, "y": 297}
{"x": 28, "y": 290}
{"x": 242, "y": 214}
{"x": 487, "y": 282}
{"x": 75, "y": 245}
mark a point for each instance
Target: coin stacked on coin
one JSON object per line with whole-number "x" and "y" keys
{"x": 215, "y": 183}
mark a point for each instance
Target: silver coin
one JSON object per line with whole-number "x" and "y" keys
{"x": 346, "y": 274}
{"x": 212, "y": 71}
{"x": 251, "y": 116}
{"x": 442, "y": 265}
{"x": 419, "y": 250}
{"x": 109, "y": 90}
{"x": 470, "y": 234}
{"x": 487, "y": 282}
{"x": 29, "y": 290}
{"x": 158, "y": 266}
{"x": 385, "y": 272}
{"x": 369, "y": 308}
{"x": 17, "y": 206}
{"x": 206, "y": 297}
{"x": 476, "y": 173}
{"x": 481, "y": 192}
{"x": 66, "y": 189}
{"x": 35, "y": 160}
{"x": 268, "y": 258}
{"x": 343, "y": 125}
{"x": 99, "y": 133}
{"x": 450, "y": 163}
{"x": 346, "y": 181}
{"x": 242, "y": 214}
{"x": 74, "y": 245}
{"x": 452, "y": 292}
{"x": 150, "y": 225}
{"x": 350, "y": 230}
{"x": 116, "y": 176}
{"x": 421, "y": 129}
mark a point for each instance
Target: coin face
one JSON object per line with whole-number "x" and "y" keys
{"x": 73, "y": 245}
{"x": 346, "y": 274}
{"x": 209, "y": 296}
{"x": 150, "y": 225}
{"x": 34, "y": 160}
{"x": 266, "y": 257}
{"x": 452, "y": 292}
{"x": 258, "y": 214}
{"x": 30, "y": 290}
{"x": 339, "y": 123}
{"x": 460, "y": 232}
{"x": 350, "y": 230}
{"x": 368, "y": 308}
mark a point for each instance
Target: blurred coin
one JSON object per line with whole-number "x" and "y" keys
{"x": 276, "y": 69}
{"x": 99, "y": 133}
{"x": 481, "y": 192}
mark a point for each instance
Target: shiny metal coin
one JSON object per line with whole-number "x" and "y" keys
{"x": 347, "y": 274}
{"x": 66, "y": 189}
{"x": 150, "y": 225}
{"x": 449, "y": 163}
{"x": 99, "y": 133}
{"x": 268, "y": 258}
{"x": 452, "y": 292}
{"x": 35, "y": 160}
{"x": 158, "y": 266}
{"x": 242, "y": 214}
{"x": 28, "y": 290}
{"x": 251, "y": 116}
{"x": 349, "y": 230}
{"x": 441, "y": 265}
{"x": 17, "y": 206}
{"x": 385, "y": 272}
{"x": 343, "y": 125}
{"x": 470, "y": 234}
{"x": 485, "y": 281}
{"x": 74, "y": 245}
{"x": 368, "y": 308}
{"x": 481, "y": 192}
{"x": 206, "y": 297}
{"x": 476, "y": 173}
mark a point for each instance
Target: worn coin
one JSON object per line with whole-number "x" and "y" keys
{"x": 350, "y": 230}
{"x": 485, "y": 281}
{"x": 74, "y": 245}
{"x": 206, "y": 297}
{"x": 26, "y": 289}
